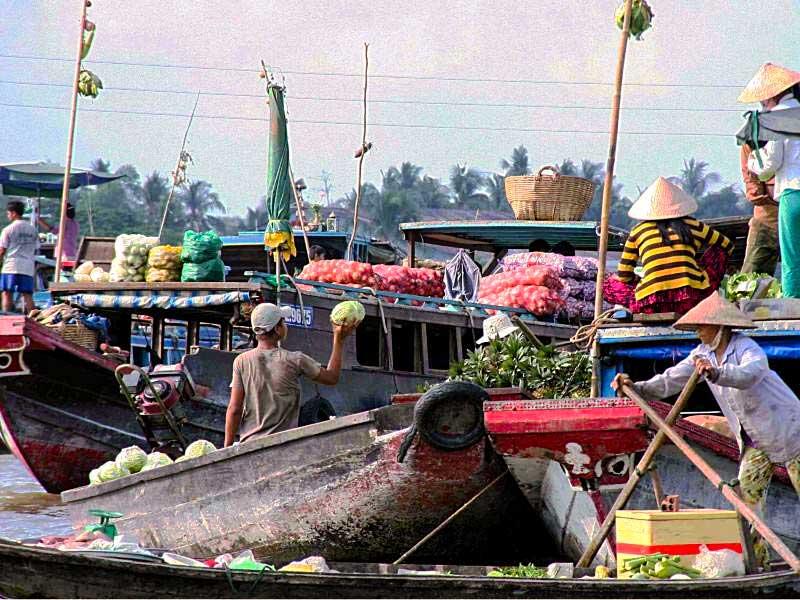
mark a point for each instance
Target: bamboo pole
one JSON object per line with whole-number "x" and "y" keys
{"x": 641, "y": 469}
{"x": 449, "y": 519}
{"x": 608, "y": 185}
{"x": 62, "y": 222}
{"x": 710, "y": 474}
{"x": 299, "y": 207}
{"x": 362, "y": 152}
{"x": 178, "y": 175}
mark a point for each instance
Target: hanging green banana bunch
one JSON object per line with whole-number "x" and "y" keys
{"x": 641, "y": 17}
{"x": 89, "y": 84}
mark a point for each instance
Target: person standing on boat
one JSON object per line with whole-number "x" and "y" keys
{"x": 778, "y": 88}
{"x": 762, "y": 411}
{"x": 18, "y": 243}
{"x": 667, "y": 242}
{"x": 72, "y": 231}
{"x": 265, "y": 390}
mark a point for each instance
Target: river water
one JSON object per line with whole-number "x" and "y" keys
{"x": 26, "y": 510}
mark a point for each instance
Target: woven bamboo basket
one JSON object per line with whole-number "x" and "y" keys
{"x": 549, "y": 196}
{"x": 77, "y": 333}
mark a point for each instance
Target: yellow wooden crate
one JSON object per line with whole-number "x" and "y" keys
{"x": 641, "y": 532}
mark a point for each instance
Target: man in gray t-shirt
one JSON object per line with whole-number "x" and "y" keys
{"x": 265, "y": 389}
{"x": 18, "y": 243}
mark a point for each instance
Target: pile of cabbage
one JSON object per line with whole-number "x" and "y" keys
{"x": 135, "y": 460}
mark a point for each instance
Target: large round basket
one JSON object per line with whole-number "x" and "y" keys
{"x": 77, "y": 333}
{"x": 549, "y": 196}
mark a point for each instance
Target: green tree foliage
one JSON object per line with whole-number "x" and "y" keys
{"x": 466, "y": 184}
{"x": 518, "y": 165}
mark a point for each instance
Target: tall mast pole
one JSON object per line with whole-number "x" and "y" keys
{"x": 608, "y": 185}
{"x": 70, "y": 142}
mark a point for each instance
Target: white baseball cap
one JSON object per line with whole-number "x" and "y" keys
{"x": 265, "y": 317}
{"x": 496, "y": 327}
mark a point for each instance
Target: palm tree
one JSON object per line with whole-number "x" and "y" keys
{"x": 386, "y": 211}
{"x": 495, "y": 188}
{"x": 100, "y": 165}
{"x": 198, "y": 200}
{"x": 695, "y": 179}
{"x": 431, "y": 193}
{"x": 466, "y": 184}
{"x": 155, "y": 190}
{"x": 518, "y": 165}
{"x": 256, "y": 217}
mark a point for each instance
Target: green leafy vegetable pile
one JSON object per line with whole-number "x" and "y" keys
{"x": 515, "y": 362}
{"x": 742, "y": 286}
{"x": 528, "y": 571}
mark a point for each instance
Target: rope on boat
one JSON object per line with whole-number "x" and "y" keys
{"x": 585, "y": 335}
{"x": 405, "y": 445}
{"x": 252, "y": 588}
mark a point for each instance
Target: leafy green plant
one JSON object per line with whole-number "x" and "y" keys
{"x": 544, "y": 372}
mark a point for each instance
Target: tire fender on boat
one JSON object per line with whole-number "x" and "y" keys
{"x": 449, "y": 416}
{"x": 316, "y": 410}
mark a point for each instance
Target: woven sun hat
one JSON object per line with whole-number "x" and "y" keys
{"x": 768, "y": 82}
{"x": 714, "y": 310}
{"x": 662, "y": 200}
{"x": 496, "y": 327}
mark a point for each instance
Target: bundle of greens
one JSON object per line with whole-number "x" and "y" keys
{"x": 515, "y": 362}
{"x": 641, "y": 17}
{"x": 742, "y": 286}
{"x": 528, "y": 571}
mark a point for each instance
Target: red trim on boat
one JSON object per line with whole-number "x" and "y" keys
{"x": 640, "y": 549}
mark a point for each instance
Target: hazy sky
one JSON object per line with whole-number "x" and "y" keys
{"x": 711, "y": 42}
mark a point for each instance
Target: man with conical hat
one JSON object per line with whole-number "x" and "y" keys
{"x": 668, "y": 242}
{"x": 778, "y": 88}
{"x": 762, "y": 411}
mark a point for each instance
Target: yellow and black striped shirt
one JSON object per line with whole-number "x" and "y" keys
{"x": 667, "y": 267}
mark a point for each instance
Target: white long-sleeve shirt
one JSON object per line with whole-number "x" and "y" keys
{"x": 751, "y": 395}
{"x": 780, "y": 159}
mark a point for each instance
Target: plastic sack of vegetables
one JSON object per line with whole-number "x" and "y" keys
{"x": 210, "y": 270}
{"x": 165, "y": 257}
{"x": 345, "y": 272}
{"x": 200, "y": 247}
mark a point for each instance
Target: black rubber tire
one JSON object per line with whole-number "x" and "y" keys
{"x": 316, "y": 410}
{"x": 467, "y": 397}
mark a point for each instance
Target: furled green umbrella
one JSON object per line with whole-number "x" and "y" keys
{"x": 279, "y": 236}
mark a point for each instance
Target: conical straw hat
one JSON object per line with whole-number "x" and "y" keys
{"x": 662, "y": 200}
{"x": 714, "y": 310}
{"x": 768, "y": 82}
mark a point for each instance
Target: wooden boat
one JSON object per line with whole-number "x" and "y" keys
{"x": 43, "y": 573}
{"x": 572, "y": 490}
{"x": 335, "y": 489}
{"x": 62, "y": 414}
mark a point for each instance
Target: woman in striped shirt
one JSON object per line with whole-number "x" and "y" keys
{"x": 667, "y": 243}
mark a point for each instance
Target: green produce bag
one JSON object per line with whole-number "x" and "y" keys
{"x": 210, "y": 270}
{"x": 200, "y": 247}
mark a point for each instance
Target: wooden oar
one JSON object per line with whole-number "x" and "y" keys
{"x": 723, "y": 486}
{"x": 622, "y": 499}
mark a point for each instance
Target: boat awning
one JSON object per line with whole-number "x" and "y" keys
{"x": 138, "y": 299}
{"x": 493, "y": 236}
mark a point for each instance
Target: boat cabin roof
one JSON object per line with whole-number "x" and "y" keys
{"x": 494, "y": 236}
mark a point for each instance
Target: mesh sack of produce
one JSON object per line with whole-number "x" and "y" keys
{"x": 577, "y": 267}
{"x": 405, "y": 280}
{"x": 123, "y": 242}
{"x": 200, "y": 247}
{"x": 533, "y": 275}
{"x": 165, "y": 257}
{"x": 536, "y": 299}
{"x": 153, "y": 275}
{"x": 578, "y": 289}
{"x": 130, "y": 259}
{"x": 344, "y": 272}
{"x": 208, "y": 271}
